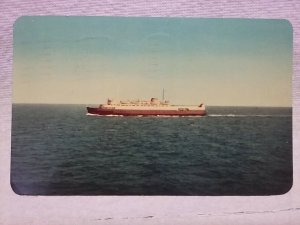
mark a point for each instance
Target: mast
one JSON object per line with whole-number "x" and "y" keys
{"x": 163, "y": 95}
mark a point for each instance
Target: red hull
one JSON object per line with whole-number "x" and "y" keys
{"x": 131, "y": 112}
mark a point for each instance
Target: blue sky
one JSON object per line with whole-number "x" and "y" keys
{"x": 89, "y": 59}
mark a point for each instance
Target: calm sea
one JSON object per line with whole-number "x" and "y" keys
{"x": 59, "y": 150}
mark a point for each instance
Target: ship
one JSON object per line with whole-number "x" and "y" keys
{"x": 152, "y": 107}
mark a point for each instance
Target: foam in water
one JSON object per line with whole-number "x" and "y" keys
{"x": 239, "y": 115}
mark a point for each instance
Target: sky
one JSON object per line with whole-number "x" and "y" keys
{"x": 85, "y": 60}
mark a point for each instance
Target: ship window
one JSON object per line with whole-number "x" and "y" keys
{"x": 183, "y": 109}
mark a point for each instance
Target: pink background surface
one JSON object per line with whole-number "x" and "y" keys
{"x": 14, "y": 209}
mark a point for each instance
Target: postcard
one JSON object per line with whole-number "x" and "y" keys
{"x": 135, "y": 106}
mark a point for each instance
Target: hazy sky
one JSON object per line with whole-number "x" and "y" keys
{"x": 89, "y": 59}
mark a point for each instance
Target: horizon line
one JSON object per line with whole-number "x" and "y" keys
{"x": 39, "y": 103}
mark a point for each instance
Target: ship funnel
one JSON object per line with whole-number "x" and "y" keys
{"x": 202, "y": 106}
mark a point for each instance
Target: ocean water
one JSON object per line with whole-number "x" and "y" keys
{"x": 59, "y": 150}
